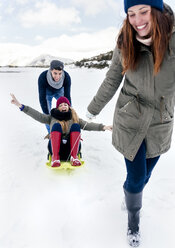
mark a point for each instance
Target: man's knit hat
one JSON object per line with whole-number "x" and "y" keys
{"x": 158, "y": 4}
{"x": 61, "y": 100}
{"x": 57, "y": 65}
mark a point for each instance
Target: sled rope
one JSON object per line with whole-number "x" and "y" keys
{"x": 76, "y": 142}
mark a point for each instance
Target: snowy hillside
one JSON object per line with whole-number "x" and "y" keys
{"x": 42, "y": 60}
{"x": 82, "y": 209}
{"x": 99, "y": 62}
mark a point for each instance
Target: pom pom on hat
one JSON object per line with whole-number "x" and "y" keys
{"x": 158, "y": 4}
{"x": 61, "y": 100}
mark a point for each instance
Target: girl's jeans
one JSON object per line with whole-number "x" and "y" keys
{"x": 139, "y": 170}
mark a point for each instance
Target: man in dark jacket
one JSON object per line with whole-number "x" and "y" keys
{"x": 54, "y": 82}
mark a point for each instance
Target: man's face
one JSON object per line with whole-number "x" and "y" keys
{"x": 56, "y": 75}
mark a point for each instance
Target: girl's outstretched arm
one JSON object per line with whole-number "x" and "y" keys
{"x": 43, "y": 118}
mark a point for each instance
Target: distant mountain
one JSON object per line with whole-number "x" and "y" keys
{"x": 100, "y": 61}
{"x": 45, "y": 59}
{"x": 26, "y": 61}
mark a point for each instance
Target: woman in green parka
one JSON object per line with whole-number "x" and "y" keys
{"x": 144, "y": 60}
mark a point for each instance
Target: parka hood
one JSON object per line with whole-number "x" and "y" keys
{"x": 169, "y": 11}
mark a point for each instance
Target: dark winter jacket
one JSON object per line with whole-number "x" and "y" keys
{"x": 48, "y": 119}
{"x": 145, "y": 106}
{"x": 43, "y": 85}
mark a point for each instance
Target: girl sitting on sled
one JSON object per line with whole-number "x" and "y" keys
{"x": 65, "y": 126}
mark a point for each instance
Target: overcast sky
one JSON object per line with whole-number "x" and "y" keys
{"x": 66, "y": 28}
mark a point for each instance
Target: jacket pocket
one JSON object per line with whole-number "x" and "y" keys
{"x": 167, "y": 115}
{"x": 125, "y": 108}
{"x": 132, "y": 108}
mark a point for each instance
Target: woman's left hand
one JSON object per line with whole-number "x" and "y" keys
{"x": 107, "y": 128}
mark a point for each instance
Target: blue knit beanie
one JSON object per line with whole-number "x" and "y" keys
{"x": 158, "y": 4}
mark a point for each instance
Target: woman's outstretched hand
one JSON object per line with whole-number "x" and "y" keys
{"x": 15, "y": 101}
{"x": 107, "y": 128}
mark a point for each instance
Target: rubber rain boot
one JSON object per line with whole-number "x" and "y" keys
{"x": 55, "y": 143}
{"x": 74, "y": 145}
{"x": 133, "y": 205}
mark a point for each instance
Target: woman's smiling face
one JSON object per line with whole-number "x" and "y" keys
{"x": 140, "y": 19}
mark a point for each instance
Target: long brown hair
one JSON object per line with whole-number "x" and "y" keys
{"x": 65, "y": 124}
{"x": 162, "y": 25}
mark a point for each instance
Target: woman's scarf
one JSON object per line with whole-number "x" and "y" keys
{"x": 146, "y": 42}
{"x": 54, "y": 84}
{"x": 61, "y": 116}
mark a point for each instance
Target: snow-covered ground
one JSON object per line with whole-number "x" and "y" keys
{"x": 82, "y": 209}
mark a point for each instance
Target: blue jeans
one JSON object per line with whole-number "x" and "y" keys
{"x": 49, "y": 97}
{"x": 139, "y": 170}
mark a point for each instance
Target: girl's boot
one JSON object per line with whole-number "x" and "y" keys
{"x": 74, "y": 145}
{"x": 55, "y": 142}
{"x": 133, "y": 204}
